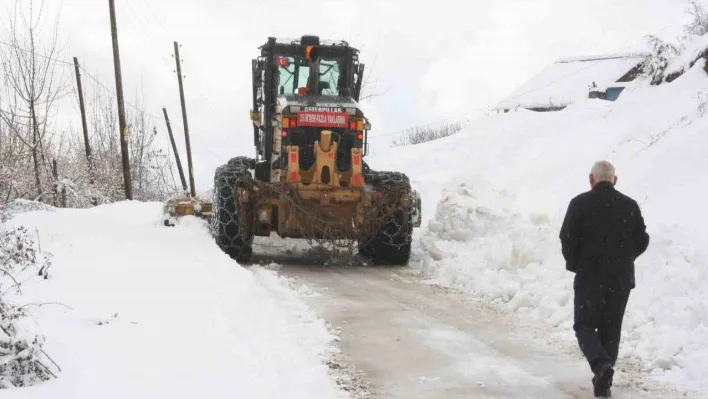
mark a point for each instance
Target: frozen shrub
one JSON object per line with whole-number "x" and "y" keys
{"x": 661, "y": 55}
{"x": 22, "y": 360}
{"x": 417, "y": 135}
{"x": 698, "y": 26}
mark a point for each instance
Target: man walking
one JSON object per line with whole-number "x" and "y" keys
{"x": 602, "y": 235}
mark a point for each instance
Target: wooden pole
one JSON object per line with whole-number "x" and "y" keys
{"x": 184, "y": 121}
{"x": 127, "y": 181}
{"x": 84, "y": 125}
{"x": 174, "y": 149}
{"x": 55, "y": 175}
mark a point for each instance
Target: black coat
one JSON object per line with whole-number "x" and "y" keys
{"x": 603, "y": 234}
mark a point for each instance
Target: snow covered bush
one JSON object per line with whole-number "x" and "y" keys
{"x": 417, "y": 134}
{"x": 698, "y": 26}
{"x": 18, "y": 252}
{"x": 703, "y": 102}
{"x": 662, "y": 53}
{"x": 22, "y": 359}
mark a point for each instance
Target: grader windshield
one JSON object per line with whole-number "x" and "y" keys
{"x": 294, "y": 76}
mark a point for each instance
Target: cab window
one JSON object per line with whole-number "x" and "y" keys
{"x": 294, "y": 73}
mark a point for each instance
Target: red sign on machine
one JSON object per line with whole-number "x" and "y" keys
{"x": 323, "y": 119}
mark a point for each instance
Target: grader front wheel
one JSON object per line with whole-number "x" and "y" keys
{"x": 231, "y": 218}
{"x": 391, "y": 242}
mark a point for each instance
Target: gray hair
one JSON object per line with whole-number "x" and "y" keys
{"x": 603, "y": 171}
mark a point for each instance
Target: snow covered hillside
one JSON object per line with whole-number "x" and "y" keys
{"x": 137, "y": 310}
{"x": 497, "y": 192}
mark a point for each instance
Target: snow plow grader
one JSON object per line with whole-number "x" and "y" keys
{"x": 309, "y": 179}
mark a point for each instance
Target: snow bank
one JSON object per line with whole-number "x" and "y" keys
{"x": 15, "y": 207}
{"x": 139, "y": 310}
{"x": 502, "y": 187}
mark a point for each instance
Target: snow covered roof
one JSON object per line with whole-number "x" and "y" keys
{"x": 323, "y": 42}
{"x": 616, "y": 56}
{"x": 569, "y": 79}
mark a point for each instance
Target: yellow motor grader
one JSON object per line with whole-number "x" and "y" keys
{"x": 309, "y": 178}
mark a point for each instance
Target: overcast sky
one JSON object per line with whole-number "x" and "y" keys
{"x": 433, "y": 60}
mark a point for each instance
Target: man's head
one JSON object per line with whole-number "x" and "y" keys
{"x": 602, "y": 171}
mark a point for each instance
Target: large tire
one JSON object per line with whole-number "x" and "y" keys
{"x": 242, "y": 162}
{"x": 366, "y": 249}
{"x": 232, "y": 232}
{"x": 391, "y": 244}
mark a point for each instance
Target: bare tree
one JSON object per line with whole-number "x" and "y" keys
{"x": 151, "y": 166}
{"x": 370, "y": 85}
{"x": 698, "y": 26}
{"x": 33, "y": 81}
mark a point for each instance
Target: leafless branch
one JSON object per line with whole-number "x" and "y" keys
{"x": 17, "y": 283}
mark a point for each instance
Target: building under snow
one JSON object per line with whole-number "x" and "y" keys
{"x": 570, "y": 79}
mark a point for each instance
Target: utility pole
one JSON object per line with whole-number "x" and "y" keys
{"x": 184, "y": 121}
{"x": 84, "y": 125}
{"x": 174, "y": 149}
{"x": 121, "y": 106}
{"x": 55, "y": 175}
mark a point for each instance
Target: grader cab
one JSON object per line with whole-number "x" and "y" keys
{"x": 309, "y": 178}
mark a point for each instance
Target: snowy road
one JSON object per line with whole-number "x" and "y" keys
{"x": 415, "y": 340}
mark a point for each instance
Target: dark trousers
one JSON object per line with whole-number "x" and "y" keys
{"x": 599, "y": 310}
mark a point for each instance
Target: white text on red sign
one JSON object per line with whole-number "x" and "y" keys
{"x": 322, "y": 119}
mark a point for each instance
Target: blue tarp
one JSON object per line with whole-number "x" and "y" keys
{"x": 613, "y": 93}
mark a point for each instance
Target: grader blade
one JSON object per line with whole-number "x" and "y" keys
{"x": 176, "y": 208}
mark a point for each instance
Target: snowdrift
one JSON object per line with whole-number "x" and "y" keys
{"x": 502, "y": 187}
{"x": 133, "y": 309}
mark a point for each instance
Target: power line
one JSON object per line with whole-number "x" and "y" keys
{"x": 135, "y": 15}
{"x": 69, "y": 64}
{"x": 150, "y": 31}
{"x": 114, "y": 94}
{"x": 66, "y": 63}
{"x": 155, "y": 17}
{"x": 35, "y": 53}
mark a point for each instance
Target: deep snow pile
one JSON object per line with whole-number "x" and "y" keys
{"x": 502, "y": 186}
{"x": 133, "y": 309}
